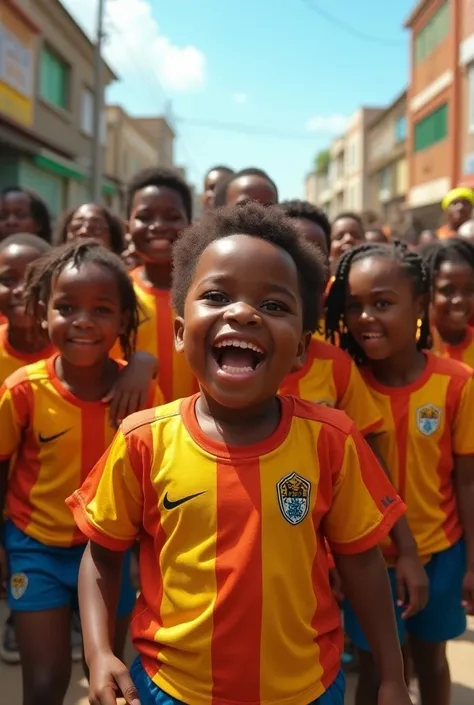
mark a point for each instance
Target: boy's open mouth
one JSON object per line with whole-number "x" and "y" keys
{"x": 237, "y": 356}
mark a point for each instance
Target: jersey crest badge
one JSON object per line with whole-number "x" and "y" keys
{"x": 18, "y": 585}
{"x": 428, "y": 419}
{"x": 294, "y": 493}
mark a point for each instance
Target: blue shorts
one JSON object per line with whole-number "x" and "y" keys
{"x": 150, "y": 694}
{"x": 46, "y": 577}
{"x": 443, "y": 618}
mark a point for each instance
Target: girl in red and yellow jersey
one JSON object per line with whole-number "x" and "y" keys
{"x": 55, "y": 426}
{"x": 451, "y": 266}
{"x": 378, "y": 305}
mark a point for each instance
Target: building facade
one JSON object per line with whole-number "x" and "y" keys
{"x": 46, "y": 103}
{"x": 434, "y": 108}
{"x": 466, "y": 67}
{"x": 345, "y": 186}
{"x": 387, "y": 164}
{"x": 134, "y": 144}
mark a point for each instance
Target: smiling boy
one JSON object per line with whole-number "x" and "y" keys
{"x": 233, "y": 493}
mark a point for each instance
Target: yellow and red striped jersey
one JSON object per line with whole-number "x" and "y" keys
{"x": 11, "y": 360}
{"x": 464, "y": 352}
{"x": 236, "y": 604}
{"x": 55, "y": 439}
{"x": 330, "y": 377}
{"x": 156, "y": 336}
{"x": 427, "y": 424}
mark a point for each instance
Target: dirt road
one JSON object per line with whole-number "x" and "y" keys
{"x": 461, "y": 655}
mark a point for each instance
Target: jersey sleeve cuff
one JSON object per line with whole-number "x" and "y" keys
{"x": 390, "y": 518}
{"x": 90, "y": 530}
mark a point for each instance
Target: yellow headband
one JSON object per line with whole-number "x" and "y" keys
{"x": 455, "y": 194}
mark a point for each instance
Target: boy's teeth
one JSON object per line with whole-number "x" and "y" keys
{"x": 236, "y": 370}
{"x": 238, "y": 344}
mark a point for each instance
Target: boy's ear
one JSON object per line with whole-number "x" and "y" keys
{"x": 301, "y": 352}
{"x": 179, "y": 334}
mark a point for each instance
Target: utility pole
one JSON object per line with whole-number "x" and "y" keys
{"x": 96, "y": 162}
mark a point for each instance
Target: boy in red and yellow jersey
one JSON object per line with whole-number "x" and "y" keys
{"x": 160, "y": 207}
{"x": 236, "y": 604}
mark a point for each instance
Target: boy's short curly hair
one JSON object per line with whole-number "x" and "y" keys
{"x": 161, "y": 176}
{"x": 304, "y": 209}
{"x": 222, "y": 187}
{"x": 267, "y": 223}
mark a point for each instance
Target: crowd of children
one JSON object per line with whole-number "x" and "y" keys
{"x": 270, "y": 412}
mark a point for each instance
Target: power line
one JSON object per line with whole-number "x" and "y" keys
{"x": 156, "y": 82}
{"x": 337, "y": 22}
{"x": 249, "y": 130}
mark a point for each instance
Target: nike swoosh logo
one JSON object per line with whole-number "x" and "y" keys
{"x": 48, "y": 439}
{"x": 168, "y": 504}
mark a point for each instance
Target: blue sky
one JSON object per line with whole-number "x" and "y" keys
{"x": 274, "y": 66}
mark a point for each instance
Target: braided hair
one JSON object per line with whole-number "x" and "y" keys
{"x": 454, "y": 250}
{"x": 42, "y": 272}
{"x": 413, "y": 266}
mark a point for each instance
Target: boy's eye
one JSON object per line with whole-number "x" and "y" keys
{"x": 64, "y": 309}
{"x": 274, "y": 306}
{"x": 104, "y": 310}
{"x": 216, "y": 297}
{"x": 382, "y": 304}
{"x": 7, "y": 280}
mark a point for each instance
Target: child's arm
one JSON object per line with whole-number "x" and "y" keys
{"x": 464, "y": 480}
{"x": 367, "y": 588}
{"x": 108, "y": 509}
{"x": 4, "y": 468}
{"x": 410, "y": 573}
{"x": 363, "y": 510}
{"x": 131, "y": 390}
{"x": 99, "y": 585}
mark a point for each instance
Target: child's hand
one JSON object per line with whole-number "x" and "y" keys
{"x": 411, "y": 579}
{"x": 393, "y": 693}
{"x": 3, "y": 572}
{"x": 109, "y": 678}
{"x": 130, "y": 391}
{"x": 468, "y": 592}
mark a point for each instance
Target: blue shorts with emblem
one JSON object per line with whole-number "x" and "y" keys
{"x": 443, "y": 618}
{"x": 150, "y": 694}
{"x": 46, "y": 577}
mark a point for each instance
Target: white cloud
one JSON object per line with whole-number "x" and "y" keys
{"x": 136, "y": 48}
{"x": 240, "y": 98}
{"x": 332, "y": 124}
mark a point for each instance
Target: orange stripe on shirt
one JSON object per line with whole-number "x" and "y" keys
{"x": 237, "y": 564}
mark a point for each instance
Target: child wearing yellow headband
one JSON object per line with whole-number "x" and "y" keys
{"x": 457, "y": 204}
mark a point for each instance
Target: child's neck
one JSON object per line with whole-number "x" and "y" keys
{"x": 234, "y": 426}
{"x": 157, "y": 274}
{"x": 453, "y": 337}
{"x": 87, "y": 383}
{"x": 401, "y": 370}
{"x": 27, "y": 340}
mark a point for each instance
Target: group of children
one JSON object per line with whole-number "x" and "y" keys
{"x": 302, "y": 447}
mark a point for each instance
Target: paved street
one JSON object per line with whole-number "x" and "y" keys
{"x": 461, "y": 655}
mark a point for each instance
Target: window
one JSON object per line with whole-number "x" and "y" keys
{"x": 433, "y": 33}
{"x": 470, "y": 77}
{"x": 385, "y": 179}
{"x": 54, "y": 79}
{"x": 87, "y": 111}
{"x": 431, "y": 129}
{"x": 400, "y": 129}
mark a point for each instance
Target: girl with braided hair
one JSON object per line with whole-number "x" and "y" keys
{"x": 378, "y": 310}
